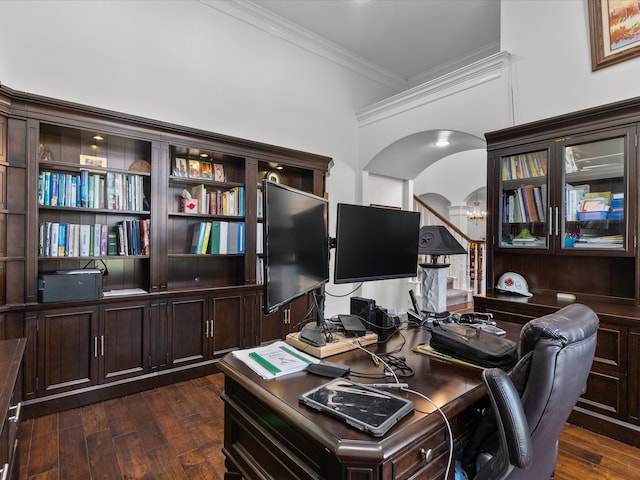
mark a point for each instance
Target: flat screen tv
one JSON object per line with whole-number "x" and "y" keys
{"x": 375, "y": 243}
{"x": 295, "y": 244}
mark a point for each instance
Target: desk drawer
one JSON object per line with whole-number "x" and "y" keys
{"x": 424, "y": 459}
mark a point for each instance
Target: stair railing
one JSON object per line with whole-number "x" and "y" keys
{"x": 468, "y": 271}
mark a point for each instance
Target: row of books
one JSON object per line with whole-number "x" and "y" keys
{"x": 113, "y": 191}
{"x": 216, "y": 202}
{"x": 218, "y": 237}
{"x": 524, "y": 204}
{"x": 524, "y": 166}
{"x": 128, "y": 237}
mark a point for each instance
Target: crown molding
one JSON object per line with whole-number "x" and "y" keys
{"x": 455, "y": 64}
{"x": 261, "y": 18}
{"x": 482, "y": 71}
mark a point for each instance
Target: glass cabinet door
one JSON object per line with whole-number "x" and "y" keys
{"x": 524, "y": 200}
{"x": 595, "y": 188}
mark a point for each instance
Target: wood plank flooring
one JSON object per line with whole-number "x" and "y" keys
{"x": 176, "y": 432}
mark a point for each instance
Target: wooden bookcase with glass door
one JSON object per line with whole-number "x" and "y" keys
{"x": 563, "y": 213}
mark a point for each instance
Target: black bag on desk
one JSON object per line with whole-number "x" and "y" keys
{"x": 474, "y": 346}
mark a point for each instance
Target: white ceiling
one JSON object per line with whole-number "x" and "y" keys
{"x": 404, "y": 37}
{"x": 409, "y": 41}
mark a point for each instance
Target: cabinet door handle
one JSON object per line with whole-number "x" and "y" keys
{"x": 5, "y": 471}
{"x": 95, "y": 347}
{"x": 14, "y": 413}
{"x": 211, "y": 328}
{"x": 102, "y": 345}
{"x": 557, "y": 223}
{"x": 206, "y": 329}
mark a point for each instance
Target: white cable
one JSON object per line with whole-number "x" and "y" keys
{"x": 446, "y": 420}
{"x": 395, "y": 377}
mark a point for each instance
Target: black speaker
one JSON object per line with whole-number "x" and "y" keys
{"x": 365, "y": 308}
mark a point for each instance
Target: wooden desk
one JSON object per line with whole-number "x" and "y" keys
{"x": 268, "y": 434}
{"x": 11, "y": 352}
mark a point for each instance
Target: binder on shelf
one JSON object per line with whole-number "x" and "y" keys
{"x": 85, "y": 240}
{"x": 224, "y": 238}
{"x": 242, "y": 238}
{"x": 214, "y": 241}
{"x": 62, "y": 237}
{"x": 197, "y": 237}
{"x": 207, "y": 236}
{"x": 96, "y": 235}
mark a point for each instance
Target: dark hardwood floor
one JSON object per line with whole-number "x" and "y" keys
{"x": 176, "y": 432}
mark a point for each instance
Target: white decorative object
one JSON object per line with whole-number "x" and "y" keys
{"x": 434, "y": 288}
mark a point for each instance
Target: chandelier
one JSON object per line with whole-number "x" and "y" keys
{"x": 476, "y": 214}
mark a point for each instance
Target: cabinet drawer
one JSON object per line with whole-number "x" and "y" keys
{"x": 609, "y": 356}
{"x": 605, "y": 394}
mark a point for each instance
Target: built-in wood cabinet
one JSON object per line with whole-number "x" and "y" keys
{"x": 81, "y": 347}
{"x": 119, "y": 193}
{"x": 562, "y": 200}
{"x": 279, "y": 324}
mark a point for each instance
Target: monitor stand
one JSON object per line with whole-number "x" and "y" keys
{"x": 313, "y": 334}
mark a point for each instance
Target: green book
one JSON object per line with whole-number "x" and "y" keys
{"x": 112, "y": 243}
{"x": 214, "y": 237}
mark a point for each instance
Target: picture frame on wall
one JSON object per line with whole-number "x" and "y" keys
{"x": 614, "y": 32}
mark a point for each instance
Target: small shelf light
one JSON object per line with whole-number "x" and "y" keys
{"x": 98, "y": 137}
{"x": 443, "y": 142}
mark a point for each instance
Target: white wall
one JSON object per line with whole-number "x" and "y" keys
{"x": 549, "y": 44}
{"x": 187, "y": 63}
{"x": 549, "y": 74}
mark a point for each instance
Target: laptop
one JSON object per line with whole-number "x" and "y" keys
{"x": 368, "y": 409}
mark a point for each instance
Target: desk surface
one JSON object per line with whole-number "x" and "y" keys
{"x": 249, "y": 398}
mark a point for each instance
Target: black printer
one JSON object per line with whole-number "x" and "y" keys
{"x": 69, "y": 285}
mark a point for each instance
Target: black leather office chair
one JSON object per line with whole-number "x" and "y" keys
{"x": 535, "y": 399}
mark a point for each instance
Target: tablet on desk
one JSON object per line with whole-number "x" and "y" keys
{"x": 368, "y": 409}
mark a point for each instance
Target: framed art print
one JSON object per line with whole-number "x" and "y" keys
{"x": 194, "y": 168}
{"x": 180, "y": 167}
{"x": 206, "y": 170}
{"x": 614, "y": 30}
{"x": 218, "y": 172}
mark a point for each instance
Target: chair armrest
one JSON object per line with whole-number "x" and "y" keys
{"x": 515, "y": 441}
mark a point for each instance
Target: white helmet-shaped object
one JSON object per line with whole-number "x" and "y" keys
{"x": 513, "y": 282}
